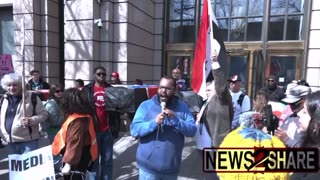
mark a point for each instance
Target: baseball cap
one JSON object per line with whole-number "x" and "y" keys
{"x": 295, "y": 92}
{"x": 235, "y": 78}
{"x": 115, "y": 74}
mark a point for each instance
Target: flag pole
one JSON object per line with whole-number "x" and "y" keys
{"x": 22, "y": 39}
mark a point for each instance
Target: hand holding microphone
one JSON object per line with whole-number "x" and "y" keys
{"x": 163, "y": 106}
{"x": 160, "y": 117}
{"x": 166, "y": 111}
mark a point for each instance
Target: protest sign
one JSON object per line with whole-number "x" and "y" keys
{"x": 36, "y": 165}
{"x": 6, "y": 64}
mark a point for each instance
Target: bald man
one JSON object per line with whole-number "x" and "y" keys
{"x": 181, "y": 83}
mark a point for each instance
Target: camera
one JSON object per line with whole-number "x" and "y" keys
{"x": 271, "y": 120}
{"x": 98, "y": 22}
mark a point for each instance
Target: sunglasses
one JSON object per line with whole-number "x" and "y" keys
{"x": 271, "y": 80}
{"x": 101, "y": 74}
{"x": 58, "y": 91}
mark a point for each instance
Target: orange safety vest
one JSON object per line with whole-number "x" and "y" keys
{"x": 59, "y": 141}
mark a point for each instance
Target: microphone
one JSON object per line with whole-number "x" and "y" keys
{"x": 163, "y": 105}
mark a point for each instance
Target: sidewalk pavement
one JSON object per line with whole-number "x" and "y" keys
{"x": 124, "y": 160}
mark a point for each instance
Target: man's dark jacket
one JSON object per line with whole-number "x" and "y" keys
{"x": 219, "y": 112}
{"x": 276, "y": 94}
{"x": 45, "y": 85}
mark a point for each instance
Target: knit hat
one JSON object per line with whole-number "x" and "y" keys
{"x": 295, "y": 92}
{"x": 245, "y": 137}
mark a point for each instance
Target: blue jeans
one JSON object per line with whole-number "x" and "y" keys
{"x": 143, "y": 175}
{"x": 22, "y": 147}
{"x": 105, "y": 148}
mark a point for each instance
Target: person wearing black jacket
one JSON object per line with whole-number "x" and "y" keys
{"x": 37, "y": 82}
{"x": 275, "y": 93}
{"x": 101, "y": 118}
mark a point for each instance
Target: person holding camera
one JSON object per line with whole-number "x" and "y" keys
{"x": 261, "y": 117}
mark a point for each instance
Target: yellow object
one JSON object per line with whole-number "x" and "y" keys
{"x": 244, "y": 137}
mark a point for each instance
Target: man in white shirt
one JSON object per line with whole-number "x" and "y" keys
{"x": 241, "y": 102}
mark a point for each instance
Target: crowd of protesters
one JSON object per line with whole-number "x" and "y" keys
{"x": 76, "y": 118}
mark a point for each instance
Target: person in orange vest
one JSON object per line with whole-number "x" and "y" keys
{"x": 76, "y": 140}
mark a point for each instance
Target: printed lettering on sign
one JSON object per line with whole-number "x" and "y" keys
{"x": 37, "y": 164}
{"x": 6, "y": 64}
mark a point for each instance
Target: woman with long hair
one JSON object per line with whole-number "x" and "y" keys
{"x": 310, "y": 122}
{"x": 257, "y": 118}
{"x": 76, "y": 140}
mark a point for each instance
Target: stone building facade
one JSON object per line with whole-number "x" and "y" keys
{"x": 66, "y": 39}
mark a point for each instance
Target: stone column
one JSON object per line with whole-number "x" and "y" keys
{"x": 313, "y": 63}
{"x": 81, "y": 40}
{"x": 41, "y": 36}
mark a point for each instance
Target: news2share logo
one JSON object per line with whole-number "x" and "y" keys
{"x": 260, "y": 159}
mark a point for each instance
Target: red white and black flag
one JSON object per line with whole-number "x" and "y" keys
{"x": 209, "y": 40}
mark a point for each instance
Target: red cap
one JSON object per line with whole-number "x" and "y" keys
{"x": 115, "y": 74}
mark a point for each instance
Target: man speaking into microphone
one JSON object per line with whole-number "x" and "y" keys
{"x": 161, "y": 123}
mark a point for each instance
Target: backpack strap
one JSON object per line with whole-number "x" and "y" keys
{"x": 240, "y": 100}
{"x": 34, "y": 103}
{"x": 1, "y": 101}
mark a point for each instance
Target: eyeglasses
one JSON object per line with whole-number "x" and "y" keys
{"x": 101, "y": 74}
{"x": 58, "y": 91}
{"x": 270, "y": 80}
{"x": 166, "y": 88}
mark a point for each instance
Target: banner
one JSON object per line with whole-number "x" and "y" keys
{"x": 35, "y": 165}
{"x": 6, "y": 66}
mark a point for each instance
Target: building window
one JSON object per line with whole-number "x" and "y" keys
{"x": 286, "y": 20}
{"x": 181, "y": 21}
{"x": 241, "y": 20}
{"x": 6, "y": 30}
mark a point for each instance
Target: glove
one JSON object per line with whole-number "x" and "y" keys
{"x": 66, "y": 168}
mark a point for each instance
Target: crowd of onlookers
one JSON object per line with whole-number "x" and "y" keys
{"x": 74, "y": 121}
{"x": 82, "y": 132}
{"x": 297, "y": 126}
